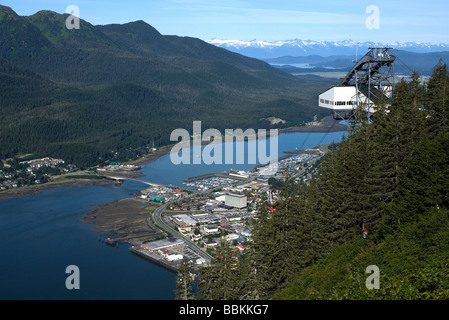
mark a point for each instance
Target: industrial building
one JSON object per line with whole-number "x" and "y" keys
{"x": 184, "y": 220}
{"x": 162, "y": 244}
{"x": 236, "y": 200}
{"x": 211, "y": 229}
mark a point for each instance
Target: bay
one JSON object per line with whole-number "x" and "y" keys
{"x": 163, "y": 171}
{"x": 41, "y": 234}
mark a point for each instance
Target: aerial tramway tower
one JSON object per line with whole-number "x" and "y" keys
{"x": 371, "y": 75}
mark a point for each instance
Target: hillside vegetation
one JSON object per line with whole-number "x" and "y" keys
{"x": 107, "y": 93}
{"x": 381, "y": 199}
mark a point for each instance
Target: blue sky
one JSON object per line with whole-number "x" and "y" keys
{"x": 269, "y": 20}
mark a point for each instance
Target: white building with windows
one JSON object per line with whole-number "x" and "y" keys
{"x": 340, "y": 98}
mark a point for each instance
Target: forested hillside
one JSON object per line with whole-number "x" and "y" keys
{"x": 381, "y": 199}
{"x": 107, "y": 93}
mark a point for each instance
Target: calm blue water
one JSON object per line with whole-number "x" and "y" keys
{"x": 41, "y": 234}
{"x": 165, "y": 172}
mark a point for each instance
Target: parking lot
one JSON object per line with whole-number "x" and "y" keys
{"x": 185, "y": 251}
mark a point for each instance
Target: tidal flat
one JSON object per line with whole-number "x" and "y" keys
{"x": 125, "y": 220}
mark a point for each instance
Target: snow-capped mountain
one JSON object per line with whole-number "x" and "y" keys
{"x": 264, "y": 49}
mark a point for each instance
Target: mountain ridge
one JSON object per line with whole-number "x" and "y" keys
{"x": 106, "y": 93}
{"x": 297, "y": 47}
{"x": 132, "y": 41}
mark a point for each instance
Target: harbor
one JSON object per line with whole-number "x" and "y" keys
{"x": 219, "y": 209}
{"x": 214, "y": 180}
{"x": 62, "y": 239}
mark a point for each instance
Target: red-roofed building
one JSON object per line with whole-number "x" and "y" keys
{"x": 240, "y": 246}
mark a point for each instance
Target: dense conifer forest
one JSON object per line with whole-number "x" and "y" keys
{"x": 381, "y": 199}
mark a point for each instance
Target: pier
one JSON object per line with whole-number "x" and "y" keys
{"x": 210, "y": 175}
{"x": 141, "y": 252}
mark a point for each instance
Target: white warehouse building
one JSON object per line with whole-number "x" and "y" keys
{"x": 236, "y": 200}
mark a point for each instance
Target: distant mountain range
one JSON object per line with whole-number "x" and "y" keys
{"x": 406, "y": 62}
{"x": 274, "y": 49}
{"x": 305, "y": 56}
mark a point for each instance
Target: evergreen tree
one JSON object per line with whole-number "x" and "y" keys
{"x": 277, "y": 247}
{"x": 424, "y": 184}
{"x": 184, "y": 281}
{"x": 417, "y": 90}
{"x": 392, "y": 135}
{"x": 437, "y": 99}
{"x": 222, "y": 279}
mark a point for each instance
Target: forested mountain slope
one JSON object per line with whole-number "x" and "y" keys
{"x": 104, "y": 93}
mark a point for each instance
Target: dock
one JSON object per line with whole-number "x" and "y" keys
{"x": 210, "y": 175}
{"x": 141, "y": 252}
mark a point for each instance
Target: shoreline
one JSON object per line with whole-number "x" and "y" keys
{"x": 29, "y": 190}
{"x": 124, "y": 221}
{"x": 327, "y": 125}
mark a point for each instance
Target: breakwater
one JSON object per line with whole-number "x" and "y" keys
{"x": 141, "y": 252}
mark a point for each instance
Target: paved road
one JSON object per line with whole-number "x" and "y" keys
{"x": 157, "y": 218}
